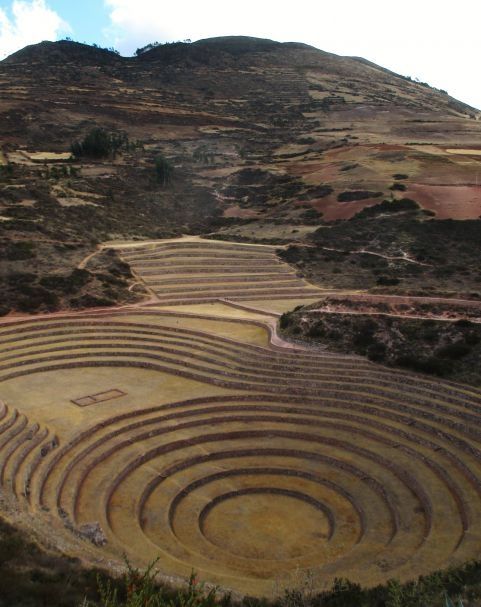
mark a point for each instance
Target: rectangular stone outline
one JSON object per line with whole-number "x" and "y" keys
{"x": 100, "y": 397}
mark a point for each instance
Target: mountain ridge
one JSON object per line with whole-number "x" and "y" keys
{"x": 234, "y": 46}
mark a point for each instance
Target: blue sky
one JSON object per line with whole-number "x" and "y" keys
{"x": 434, "y": 40}
{"x": 87, "y": 18}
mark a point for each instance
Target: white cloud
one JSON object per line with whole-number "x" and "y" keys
{"x": 434, "y": 40}
{"x": 30, "y": 22}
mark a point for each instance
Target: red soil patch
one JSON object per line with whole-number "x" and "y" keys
{"x": 332, "y": 209}
{"x": 298, "y": 169}
{"x": 236, "y": 211}
{"x": 448, "y": 201}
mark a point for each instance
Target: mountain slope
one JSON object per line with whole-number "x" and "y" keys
{"x": 267, "y": 139}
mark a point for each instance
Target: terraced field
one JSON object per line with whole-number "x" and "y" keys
{"x": 193, "y": 433}
{"x": 192, "y": 270}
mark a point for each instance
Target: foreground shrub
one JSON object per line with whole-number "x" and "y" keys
{"x": 140, "y": 589}
{"x": 34, "y": 578}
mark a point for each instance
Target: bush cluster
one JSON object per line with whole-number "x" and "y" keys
{"x": 99, "y": 143}
{"x": 446, "y": 349}
{"x": 351, "y": 196}
{"x": 164, "y": 170}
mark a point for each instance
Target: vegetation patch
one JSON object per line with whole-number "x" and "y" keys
{"x": 393, "y": 240}
{"x": 450, "y": 349}
{"x": 105, "y": 283}
{"x": 390, "y": 206}
{"x": 398, "y": 187}
{"x": 256, "y": 187}
{"x": 33, "y": 577}
{"x": 99, "y": 143}
{"x": 351, "y": 196}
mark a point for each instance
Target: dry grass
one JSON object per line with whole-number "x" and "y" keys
{"x": 49, "y": 156}
{"x": 464, "y": 152}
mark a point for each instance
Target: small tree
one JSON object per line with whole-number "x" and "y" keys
{"x": 99, "y": 143}
{"x": 164, "y": 170}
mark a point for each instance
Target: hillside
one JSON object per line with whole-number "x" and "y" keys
{"x": 267, "y": 140}
{"x": 160, "y": 216}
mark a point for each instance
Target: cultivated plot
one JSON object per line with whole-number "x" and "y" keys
{"x": 194, "y": 270}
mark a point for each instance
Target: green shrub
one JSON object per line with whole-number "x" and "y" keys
{"x": 20, "y": 278}
{"x": 311, "y": 216}
{"x": 67, "y": 284}
{"x": 292, "y": 254}
{"x": 389, "y": 206}
{"x": 120, "y": 268}
{"x": 376, "y": 351}
{"x": 6, "y": 171}
{"x": 37, "y": 297}
{"x": 365, "y": 335}
{"x": 19, "y": 251}
{"x": 464, "y": 323}
{"x": 387, "y": 281}
{"x": 455, "y": 350}
{"x": 317, "y": 330}
{"x": 432, "y": 365}
{"x": 472, "y": 338}
{"x": 91, "y": 301}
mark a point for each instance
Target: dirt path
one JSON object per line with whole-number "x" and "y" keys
{"x": 407, "y": 299}
{"x": 186, "y": 238}
{"x": 393, "y": 315}
{"x": 240, "y": 306}
{"x": 403, "y": 257}
{"x": 81, "y": 265}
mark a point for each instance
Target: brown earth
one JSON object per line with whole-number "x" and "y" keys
{"x": 448, "y": 201}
